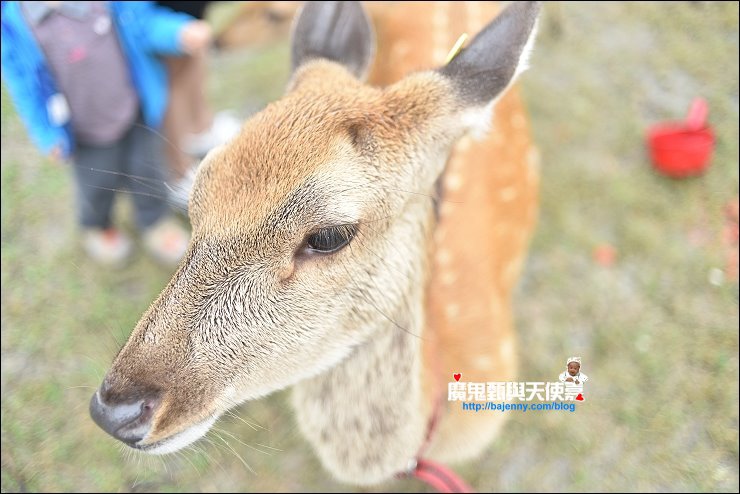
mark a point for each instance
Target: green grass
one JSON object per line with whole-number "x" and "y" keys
{"x": 659, "y": 342}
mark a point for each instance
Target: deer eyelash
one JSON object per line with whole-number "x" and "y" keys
{"x": 331, "y": 239}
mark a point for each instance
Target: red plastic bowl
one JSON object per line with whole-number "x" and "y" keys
{"x": 679, "y": 152}
{"x": 683, "y": 149}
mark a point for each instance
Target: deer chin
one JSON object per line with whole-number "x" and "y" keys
{"x": 179, "y": 440}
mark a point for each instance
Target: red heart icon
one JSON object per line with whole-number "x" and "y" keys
{"x": 458, "y": 376}
{"x": 579, "y": 397}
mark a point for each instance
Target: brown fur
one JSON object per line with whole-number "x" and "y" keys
{"x": 488, "y": 212}
{"x": 370, "y": 335}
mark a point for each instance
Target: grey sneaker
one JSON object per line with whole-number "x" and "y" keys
{"x": 166, "y": 241}
{"x": 226, "y": 124}
{"x": 109, "y": 247}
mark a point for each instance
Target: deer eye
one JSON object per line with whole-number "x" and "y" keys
{"x": 330, "y": 240}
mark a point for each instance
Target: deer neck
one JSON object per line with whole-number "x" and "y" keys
{"x": 381, "y": 396}
{"x": 376, "y": 396}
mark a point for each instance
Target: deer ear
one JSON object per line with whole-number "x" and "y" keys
{"x": 338, "y": 31}
{"x": 493, "y": 59}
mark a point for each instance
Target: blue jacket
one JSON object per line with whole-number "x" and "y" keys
{"x": 144, "y": 31}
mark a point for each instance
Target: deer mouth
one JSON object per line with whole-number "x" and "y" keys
{"x": 178, "y": 440}
{"x": 135, "y": 419}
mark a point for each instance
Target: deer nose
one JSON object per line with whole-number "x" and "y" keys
{"x": 128, "y": 420}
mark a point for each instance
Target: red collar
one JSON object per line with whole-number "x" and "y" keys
{"x": 435, "y": 474}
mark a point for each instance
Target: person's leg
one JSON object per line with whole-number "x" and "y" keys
{"x": 96, "y": 178}
{"x": 163, "y": 237}
{"x": 142, "y": 162}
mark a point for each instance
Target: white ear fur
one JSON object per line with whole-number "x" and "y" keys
{"x": 478, "y": 122}
{"x": 524, "y": 58}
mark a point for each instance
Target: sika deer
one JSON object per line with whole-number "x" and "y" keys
{"x": 320, "y": 259}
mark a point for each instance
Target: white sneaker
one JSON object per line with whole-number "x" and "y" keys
{"x": 180, "y": 190}
{"x": 226, "y": 124}
{"x": 166, "y": 241}
{"x": 109, "y": 247}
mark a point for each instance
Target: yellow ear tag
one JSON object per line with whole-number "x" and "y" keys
{"x": 457, "y": 47}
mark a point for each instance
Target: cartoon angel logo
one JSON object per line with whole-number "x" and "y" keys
{"x": 573, "y": 379}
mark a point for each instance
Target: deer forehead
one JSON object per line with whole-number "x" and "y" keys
{"x": 241, "y": 195}
{"x": 300, "y": 156}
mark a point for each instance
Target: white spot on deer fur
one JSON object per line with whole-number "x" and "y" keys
{"x": 512, "y": 270}
{"x": 400, "y": 50}
{"x": 508, "y": 194}
{"x": 456, "y": 163}
{"x": 448, "y": 278}
{"x": 440, "y": 18}
{"x": 463, "y": 144}
{"x": 151, "y": 338}
{"x": 439, "y": 55}
{"x": 506, "y": 348}
{"x": 443, "y": 257}
{"x": 482, "y": 362}
{"x": 440, "y": 32}
{"x": 533, "y": 160}
{"x": 474, "y": 17}
{"x": 518, "y": 121}
{"x": 445, "y": 208}
{"x": 452, "y": 311}
{"x": 439, "y": 234}
{"x": 453, "y": 182}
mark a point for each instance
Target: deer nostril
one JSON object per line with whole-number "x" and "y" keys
{"x": 127, "y": 420}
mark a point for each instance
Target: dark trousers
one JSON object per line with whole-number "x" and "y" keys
{"x": 133, "y": 165}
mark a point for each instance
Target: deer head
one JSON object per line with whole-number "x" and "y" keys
{"x": 309, "y": 252}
